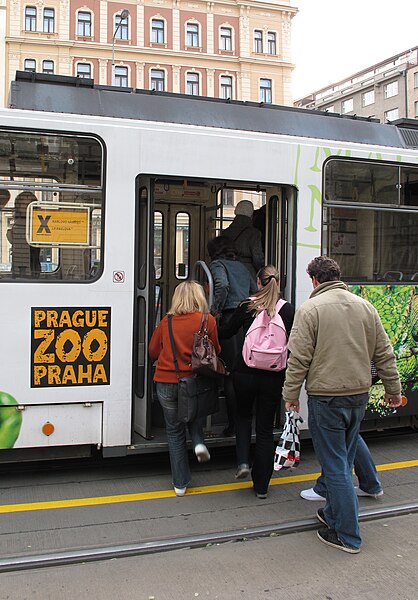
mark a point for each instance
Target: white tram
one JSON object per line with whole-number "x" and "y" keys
{"x": 107, "y": 200}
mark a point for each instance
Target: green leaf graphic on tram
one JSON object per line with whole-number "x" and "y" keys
{"x": 398, "y": 310}
{"x": 10, "y": 420}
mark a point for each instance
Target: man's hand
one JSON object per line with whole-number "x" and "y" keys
{"x": 292, "y": 405}
{"x": 393, "y": 400}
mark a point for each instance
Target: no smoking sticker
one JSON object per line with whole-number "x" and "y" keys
{"x": 118, "y": 276}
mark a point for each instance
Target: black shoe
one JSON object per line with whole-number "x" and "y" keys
{"x": 321, "y": 516}
{"x": 329, "y": 536}
{"x": 260, "y": 495}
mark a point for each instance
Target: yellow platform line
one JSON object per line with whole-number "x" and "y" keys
{"x": 207, "y": 489}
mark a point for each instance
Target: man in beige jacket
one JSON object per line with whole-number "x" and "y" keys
{"x": 334, "y": 338}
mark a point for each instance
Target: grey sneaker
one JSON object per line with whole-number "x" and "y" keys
{"x": 329, "y": 537}
{"x": 243, "y": 471}
{"x": 361, "y": 493}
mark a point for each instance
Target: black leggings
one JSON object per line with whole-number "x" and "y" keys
{"x": 264, "y": 390}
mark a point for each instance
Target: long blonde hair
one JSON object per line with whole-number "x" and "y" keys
{"x": 188, "y": 297}
{"x": 267, "y": 297}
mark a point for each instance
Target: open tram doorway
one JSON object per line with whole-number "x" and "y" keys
{"x": 176, "y": 219}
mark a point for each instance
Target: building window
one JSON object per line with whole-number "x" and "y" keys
{"x": 265, "y": 91}
{"x": 48, "y": 66}
{"x": 121, "y": 77}
{"x": 192, "y": 84}
{"x": 226, "y": 38}
{"x": 416, "y": 110}
{"x": 228, "y": 197}
{"x": 192, "y": 35}
{"x": 121, "y": 28}
{"x": 84, "y": 24}
{"x": 226, "y": 87}
{"x": 330, "y": 109}
{"x": 84, "y": 70}
{"x": 30, "y": 64}
{"x": 416, "y": 79}
{"x": 258, "y": 41}
{"x": 49, "y": 20}
{"x": 30, "y": 18}
{"x": 392, "y": 115}
{"x": 367, "y": 98}
{"x": 347, "y": 105}
{"x": 157, "y": 80}
{"x": 271, "y": 43}
{"x": 391, "y": 89}
{"x": 157, "y": 31}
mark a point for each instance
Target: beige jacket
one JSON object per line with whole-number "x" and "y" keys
{"x": 335, "y": 336}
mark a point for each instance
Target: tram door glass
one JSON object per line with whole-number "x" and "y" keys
{"x": 176, "y": 248}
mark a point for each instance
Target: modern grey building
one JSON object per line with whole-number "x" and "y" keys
{"x": 387, "y": 91}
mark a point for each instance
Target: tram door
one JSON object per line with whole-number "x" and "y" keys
{"x": 176, "y": 249}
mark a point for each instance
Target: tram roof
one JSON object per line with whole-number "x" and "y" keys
{"x": 74, "y": 95}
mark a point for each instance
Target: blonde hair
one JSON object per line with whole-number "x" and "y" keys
{"x": 188, "y": 297}
{"x": 267, "y": 297}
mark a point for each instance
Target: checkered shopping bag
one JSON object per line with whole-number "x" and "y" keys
{"x": 287, "y": 453}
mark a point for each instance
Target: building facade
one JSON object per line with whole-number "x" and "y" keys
{"x": 387, "y": 91}
{"x": 228, "y": 49}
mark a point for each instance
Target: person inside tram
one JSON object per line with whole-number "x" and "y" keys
{"x": 246, "y": 237}
{"x": 25, "y": 258}
{"x": 232, "y": 283}
{"x": 187, "y": 306}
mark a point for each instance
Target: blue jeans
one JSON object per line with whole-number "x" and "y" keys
{"x": 334, "y": 423}
{"x": 176, "y": 434}
{"x": 364, "y": 468}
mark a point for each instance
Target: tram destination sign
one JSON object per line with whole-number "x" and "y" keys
{"x": 59, "y": 226}
{"x": 70, "y": 346}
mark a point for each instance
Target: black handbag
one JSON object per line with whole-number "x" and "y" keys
{"x": 197, "y": 395}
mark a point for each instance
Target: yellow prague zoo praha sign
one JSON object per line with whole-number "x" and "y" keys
{"x": 63, "y": 226}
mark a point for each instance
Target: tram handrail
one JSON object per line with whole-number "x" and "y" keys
{"x": 201, "y": 263}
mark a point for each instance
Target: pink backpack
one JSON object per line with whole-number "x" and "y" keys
{"x": 265, "y": 344}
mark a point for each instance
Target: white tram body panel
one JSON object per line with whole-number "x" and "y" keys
{"x": 102, "y": 415}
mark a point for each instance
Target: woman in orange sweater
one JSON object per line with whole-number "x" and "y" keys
{"x": 187, "y": 306}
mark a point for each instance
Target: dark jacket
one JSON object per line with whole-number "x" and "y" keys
{"x": 247, "y": 241}
{"x": 242, "y": 318}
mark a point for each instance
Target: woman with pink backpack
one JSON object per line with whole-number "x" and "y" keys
{"x": 258, "y": 373}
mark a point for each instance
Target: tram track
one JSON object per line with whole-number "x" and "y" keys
{"x": 68, "y": 557}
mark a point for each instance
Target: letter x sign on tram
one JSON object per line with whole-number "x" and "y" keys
{"x": 59, "y": 226}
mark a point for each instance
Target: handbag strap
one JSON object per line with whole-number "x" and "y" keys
{"x": 173, "y": 346}
{"x": 203, "y": 329}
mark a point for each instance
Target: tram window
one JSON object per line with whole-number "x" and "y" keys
{"x": 365, "y": 182}
{"x": 143, "y": 238}
{"x": 182, "y": 241}
{"x": 372, "y": 245}
{"x": 158, "y": 244}
{"x": 50, "y": 207}
{"x": 409, "y": 186}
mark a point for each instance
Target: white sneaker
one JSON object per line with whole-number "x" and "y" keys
{"x": 362, "y": 493}
{"x": 202, "y": 453}
{"x": 180, "y": 491}
{"x": 311, "y": 495}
